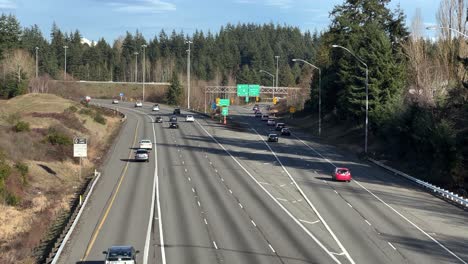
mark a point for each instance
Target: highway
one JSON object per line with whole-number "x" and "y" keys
{"x": 213, "y": 194}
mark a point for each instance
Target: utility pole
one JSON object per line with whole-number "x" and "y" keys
{"x": 188, "y": 73}
{"x": 136, "y": 66}
{"x": 65, "y": 71}
{"x": 144, "y": 72}
{"x": 277, "y": 59}
{"x": 37, "y": 64}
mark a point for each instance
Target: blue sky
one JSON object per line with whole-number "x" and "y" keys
{"x": 112, "y": 18}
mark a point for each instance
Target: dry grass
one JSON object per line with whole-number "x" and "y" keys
{"x": 51, "y": 182}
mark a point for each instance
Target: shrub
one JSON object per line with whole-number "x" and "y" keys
{"x": 100, "y": 119}
{"x": 13, "y": 118}
{"x": 21, "y": 126}
{"x": 86, "y": 111}
{"x": 23, "y": 169}
{"x": 12, "y": 199}
{"x": 56, "y": 137}
{"x": 71, "y": 109}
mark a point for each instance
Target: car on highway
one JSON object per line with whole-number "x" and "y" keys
{"x": 271, "y": 122}
{"x": 280, "y": 126}
{"x": 189, "y": 118}
{"x": 142, "y": 155}
{"x": 285, "y": 131}
{"x": 264, "y": 117}
{"x": 138, "y": 104}
{"x": 173, "y": 125}
{"x": 120, "y": 255}
{"x": 115, "y": 101}
{"x": 176, "y": 111}
{"x": 155, "y": 107}
{"x": 158, "y": 119}
{"x": 341, "y": 174}
{"x": 273, "y": 138}
{"x": 258, "y": 114}
{"x": 173, "y": 118}
{"x": 146, "y": 144}
{"x": 255, "y": 108}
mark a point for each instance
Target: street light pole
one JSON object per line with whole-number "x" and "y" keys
{"x": 65, "y": 71}
{"x": 136, "y": 66}
{"x": 367, "y": 90}
{"x": 320, "y": 93}
{"x": 272, "y": 76}
{"x": 37, "y": 64}
{"x": 449, "y": 28}
{"x": 188, "y": 73}
{"x": 277, "y": 58}
{"x": 144, "y": 72}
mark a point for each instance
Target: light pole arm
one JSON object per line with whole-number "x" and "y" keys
{"x": 449, "y": 28}
{"x": 355, "y": 56}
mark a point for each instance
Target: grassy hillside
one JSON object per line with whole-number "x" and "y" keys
{"x": 38, "y": 174}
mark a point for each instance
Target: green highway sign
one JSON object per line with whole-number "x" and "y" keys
{"x": 224, "y": 102}
{"x": 224, "y": 111}
{"x": 254, "y": 90}
{"x": 242, "y": 89}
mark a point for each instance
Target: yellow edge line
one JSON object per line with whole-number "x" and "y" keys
{"x": 122, "y": 176}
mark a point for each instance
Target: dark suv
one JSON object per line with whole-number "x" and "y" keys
{"x": 158, "y": 119}
{"x": 176, "y": 111}
{"x": 273, "y": 138}
{"x": 121, "y": 254}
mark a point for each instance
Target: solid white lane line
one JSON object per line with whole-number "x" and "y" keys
{"x": 394, "y": 210}
{"x": 316, "y": 240}
{"x": 350, "y": 205}
{"x": 308, "y": 222}
{"x": 330, "y": 231}
{"x": 193, "y": 190}
{"x": 206, "y": 222}
{"x": 253, "y": 223}
{"x": 240, "y": 205}
{"x": 391, "y": 245}
{"x": 216, "y": 246}
{"x": 368, "y": 223}
{"x": 230, "y": 191}
{"x": 414, "y": 225}
{"x": 272, "y": 249}
{"x": 198, "y": 203}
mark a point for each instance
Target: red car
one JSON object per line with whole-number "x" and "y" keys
{"x": 342, "y": 174}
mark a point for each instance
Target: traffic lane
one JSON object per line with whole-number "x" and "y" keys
{"x": 232, "y": 230}
{"x": 409, "y": 201}
{"x": 444, "y": 222}
{"x": 186, "y": 237}
{"x": 291, "y": 243}
{"x": 128, "y": 214}
{"x": 110, "y": 174}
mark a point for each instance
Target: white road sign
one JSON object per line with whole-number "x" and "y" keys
{"x": 80, "y": 147}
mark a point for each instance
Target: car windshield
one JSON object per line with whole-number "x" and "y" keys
{"x": 141, "y": 151}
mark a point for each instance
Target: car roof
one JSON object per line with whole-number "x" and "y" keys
{"x": 273, "y": 134}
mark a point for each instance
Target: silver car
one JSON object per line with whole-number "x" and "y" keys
{"x": 121, "y": 255}
{"x": 142, "y": 155}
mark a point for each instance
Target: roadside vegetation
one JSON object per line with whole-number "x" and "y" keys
{"x": 38, "y": 174}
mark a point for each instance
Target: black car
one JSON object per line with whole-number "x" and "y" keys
{"x": 176, "y": 111}
{"x": 173, "y": 125}
{"x": 158, "y": 119}
{"x": 285, "y": 131}
{"x": 173, "y": 119}
{"x": 273, "y": 138}
{"x": 120, "y": 254}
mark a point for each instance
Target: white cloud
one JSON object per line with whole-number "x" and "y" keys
{"x": 7, "y": 4}
{"x": 283, "y": 4}
{"x": 143, "y": 6}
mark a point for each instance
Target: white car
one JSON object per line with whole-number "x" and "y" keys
{"x": 156, "y": 107}
{"x": 139, "y": 104}
{"x": 189, "y": 118}
{"x": 121, "y": 255}
{"x": 142, "y": 155}
{"x": 271, "y": 122}
{"x": 264, "y": 117}
{"x": 146, "y": 144}
{"x": 115, "y": 101}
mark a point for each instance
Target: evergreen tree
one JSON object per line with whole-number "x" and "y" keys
{"x": 174, "y": 93}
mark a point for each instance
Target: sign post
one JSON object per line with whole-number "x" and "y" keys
{"x": 225, "y": 112}
{"x": 80, "y": 149}
{"x": 121, "y": 96}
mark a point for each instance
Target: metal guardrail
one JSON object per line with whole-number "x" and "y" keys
{"x": 441, "y": 192}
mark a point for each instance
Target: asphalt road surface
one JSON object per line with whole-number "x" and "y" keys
{"x": 220, "y": 194}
